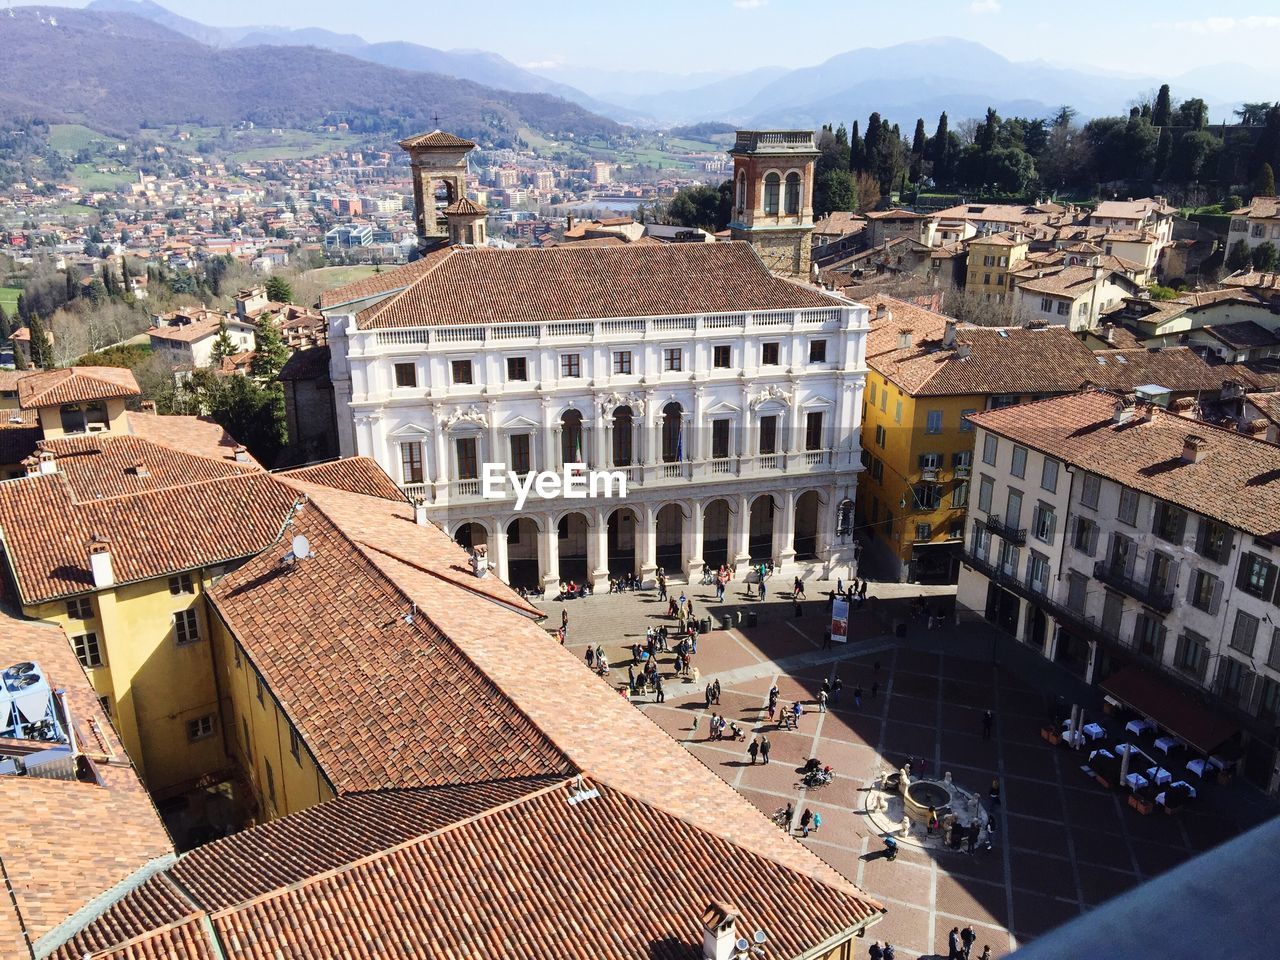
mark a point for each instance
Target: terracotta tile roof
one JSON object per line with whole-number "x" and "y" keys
{"x": 64, "y": 842}
{"x": 1267, "y": 404}
{"x": 435, "y": 138}
{"x": 1071, "y": 282}
{"x": 384, "y": 282}
{"x": 895, "y": 215}
{"x": 309, "y": 364}
{"x": 154, "y": 903}
{"x": 465, "y": 207}
{"x": 1133, "y": 209}
{"x": 839, "y": 223}
{"x": 9, "y": 378}
{"x": 191, "y": 332}
{"x": 1237, "y": 480}
{"x": 997, "y": 240}
{"x": 354, "y": 474}
{"x": 47, "y": 531}
{"x": 1243, "y": 335}
{"x": 1180, "y": 369}
{"x": 575, "y": 282}
{"x": 193, "y": 435}
{"x": 1264, "y": 208}
{"x": 426, "y": 715}
{"x": 1253, "y": 280}
{"x": 1258, "y": 374}
{"x": 534, "y": 868}
{"x": 76, "y": 385}
{"x": 99, "y": 466}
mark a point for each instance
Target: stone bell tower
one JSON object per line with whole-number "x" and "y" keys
{"x": 773, "y": 197}
{"x": 436, "y": 157}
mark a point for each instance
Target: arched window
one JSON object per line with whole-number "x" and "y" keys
{"x": 792, "y": 205}
{"x": 771, "y": 184}
{"x": 673, "y": 449}
{"x": 622, "y": 424}
{"x": 571, "y": 437}
{"x": 740, "y": 202}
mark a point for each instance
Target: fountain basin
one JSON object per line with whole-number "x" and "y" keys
{"x": 923, "y": 794}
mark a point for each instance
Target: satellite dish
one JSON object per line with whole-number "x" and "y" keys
{"x": 741, "y": 945}
{"x": 759, "y": 936}
{"x": 301, "y": 547}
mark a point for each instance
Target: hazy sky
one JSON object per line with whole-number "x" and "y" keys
{"x": 690, "y": 35}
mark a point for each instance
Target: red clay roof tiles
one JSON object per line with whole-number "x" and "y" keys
{"x": 76, "y": 385}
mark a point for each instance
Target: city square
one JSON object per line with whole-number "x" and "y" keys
{"x": 1062, "y": 844}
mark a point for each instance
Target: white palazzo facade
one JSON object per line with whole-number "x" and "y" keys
{"x": 737, "y": 431}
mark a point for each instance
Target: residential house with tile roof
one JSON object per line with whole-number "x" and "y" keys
{"x": 724, "y": 395}
{"x": 1137, "y": 548}
{"x": 1256, "y": 223}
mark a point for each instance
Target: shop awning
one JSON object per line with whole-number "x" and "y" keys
{"x": 1170, "y": 708}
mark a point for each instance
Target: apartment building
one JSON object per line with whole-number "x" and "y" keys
{"x": 1255, "y": 223}
{"x": 1139, "y": 549}
{"x": 991, "y": 260}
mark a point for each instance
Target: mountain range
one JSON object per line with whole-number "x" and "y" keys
{"x": 116, "y": 71}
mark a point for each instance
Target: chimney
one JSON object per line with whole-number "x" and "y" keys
{"x": 480, "y": 560}
{"x": 32, "y": 465}
{"x": 963, "y": 350}
{"x": 904, "y": 339}
{"x": 242, "y": 455}
{"x": 1194, "y": 448}
{"x": 949, "y": 334}
{"x": 139, "y": 469}
{"x": 48, "y": 462}
{"x": 1109, "y": 332}
{"x": 719, "y": 931}
{"x": 1097, "y": 274}
{"x": 100, "y": 562}
{"x": 568, "y": 223}
{"x": 148, "y": 406}
{"x": 880, "y": 311}
{"x": 420, "y": 511}
{"x": 1123, "y": 411}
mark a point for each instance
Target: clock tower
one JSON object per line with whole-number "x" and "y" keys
{"x": 773, "y": 197}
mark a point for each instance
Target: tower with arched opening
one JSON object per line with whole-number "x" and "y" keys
{"x": 773, "y": 196}
{"x": 439, "y": 162}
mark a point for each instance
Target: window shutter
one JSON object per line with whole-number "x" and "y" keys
{"x": 1242, "y": 572}
{"x": 1246, "y": 690}
{"x": 1191, "y": 589}
{"x": 1131, "y": 560}
{"x": 1094, "y": 531}
{"x": 1216, "y": 599}
{"x": 1180, "y": 651}
{"x": 1202, "y": 530}
{"x": 1053, "y": 523}
{"x": 1228, "y": 541}
{"x": 1270, "y": 584}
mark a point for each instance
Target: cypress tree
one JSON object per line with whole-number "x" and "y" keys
{"x": 41, "y": 354}
{"x": 1163, "y": 109}
{"x": 871, "y": 145}
{"x": 857, "y": 158}
{"x": 1164, "y": 150}
{"x": 919, "y": 140}
{"x": 1266, "y": 184}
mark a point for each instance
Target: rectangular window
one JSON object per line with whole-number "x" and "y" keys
{"x": 1170, "y": 522}
{"x": 1046, "y": 305}
{"x": 813, "y": 430}
{"x": 1013, "y": 508}
{"x": 884, "y": 398}
{"x": 1063, "y": 309}
{"x": 260, "y": 690}
{"x": 461, "y": 370}
{"x": 1038, "y": 572}
{"x": 1090, "y": 490}
{"x": 960, "y": 495}
{"x": 271, "y": 780}
{"x": 105, "y": 704}
{"x": 672, "y": 359}
{"x": 1257, "y": 576}
{"x": 621, "y": 362}
{"x": 411, "y": 462}
{"x": 897, "y": 411}
{"x": 248, "y": 747}
{"x": 1273, "y": 655}
{"x": 1045, "y": 523}
{"x": 1204, "y": 592}
{"x": 986, "y": 278}
{"x": 186, "y": 627}
{"x": 517, "y": 369}
{"x": 1148, "y": 636}
{"x": 924, "y": 531}
{"x": 1086, "y": 536}
{"x": 1128, "y": 512}
{"x": 521, "y": 462}
{"x": 181, "y": 584}
{"x": 79, "y": 608}
{"x": 1018, "y": 467}
{"x": 721, "y": 357}
{"x": 966, "y": 426}
{"x": 817, "y": 351}
{"x": 1049, "y": 475}
{"x": 1234, "y": 681}
{"x": 468, "y": 465}
{"x": 406, "y": 374}
{"x": 933, "y": 421}
{"x": 768, "y": 354}
{"x": 201, "y": 728}
{"x": 768, "y": 435}
{"x": 1214, "y": 540}
{"x": 877, "y": 469}
{"x": 1245, "y": 633}
{"x": 720, "y": 439}
{"x": 872, "y": 398}
{"x": 990, "y": 447}
{"x": 571, "y": 365}
{"x": 1077, "y": 591}
{"x": 87, "y": 650}
{"x": 985, "y": 489}
{"x": 295, "y": 745}
{"x": 1192, "y": 654}
{"x": 880, "y": 436}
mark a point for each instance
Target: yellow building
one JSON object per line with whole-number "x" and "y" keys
{"x": 926, "y": 374}
{"x": 991, "y": 258}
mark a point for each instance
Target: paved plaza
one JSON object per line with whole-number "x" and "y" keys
{"x": 1064, "y": 844}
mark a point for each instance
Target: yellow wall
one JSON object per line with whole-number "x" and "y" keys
{"x": 299, "y": 782}
{"x": 155, "y": 686}
{"x": 51, "y": 420}
{"x": 998, "y": 287}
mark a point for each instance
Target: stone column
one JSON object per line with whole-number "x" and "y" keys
{"x": 742, "y": 533}
{"x": 784, "y": 526}
{"x": 597, "y": 456}
{"x": 598, "y": 550}
{"x": 545, "y": 457}
{"x": 549, "y": 552}
{"x": 498, "y": 550}
{"x": 697, "y": 445}
{"x": 650, "y": 448}
{"x": 693, "y": 542}
{"x": 647, "y": 545}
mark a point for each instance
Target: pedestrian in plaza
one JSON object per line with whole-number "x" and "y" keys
{"x": 662, "y": 588}
{"x": 986, "y": 952}
{"x": 835, "y": 690}
{"x": 660, "y": 695}
{"x": 839, "y": 585}
{"x": 564, "y": 618}
{"x": 682, "y": 603}
{"x": 708, "y": 696}
{"x": 753, "y": 748}
{"x": 889, "y": 952}
{"x": 817, "y": 821}
{"x": 591, "y": 658}
{"x": 875, "y": 952}
{"x": 987, "y": 722}
{"x": 994, "y": 794}
{"x": 797, "y": 589}
{"x": 715, "y": 691}
{"x": 822, "y": 701}
{"x": 805, "y": 819}
{"x": 967, "y": 937}
{"x": 693, "y": 729}
{"x": 719, "y": 591}
{"x": 762, "y": 588}
{"x": 975, "y": 829}
{"x": 600, "y": 660}
{"x": 953, "y": 944}
{"x": 857, "y": 696}
{"x": 862, "y": 592}
{"x": 826, "y": 686}
{"x": 764, "y": 753}
{"x": 787, "y": 815}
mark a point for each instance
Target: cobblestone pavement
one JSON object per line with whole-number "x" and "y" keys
{"x": 1064, "y": 844}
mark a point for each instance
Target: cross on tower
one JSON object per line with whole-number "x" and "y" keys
{"x": 435, "y": 120}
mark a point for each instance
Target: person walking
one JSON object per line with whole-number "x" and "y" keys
{"x": 805, "y": 819}
{"x": 764, "y": 748}
{"x": 974, "y": 830}
{"x": 967, "y": 937}
{"x": 591, "y": 658}
{"x": 662, "y": 588}
{"x": 987, "y": 722}
{"x": 875, "y": 952}
{"x": 889, "y": 952}
{"x": 763, "y": 589}
{"x": 835, "y": 690}
{"x": 817, "y": 821}
{"x": 709, "y": 697}
{"x": 986, "y": 952}
{"x": 788, "y": 815}
{"x": 753, "y": 748}
{"x": 693, "y": 729}
{"x": 953, "y": 944}
{"x": 660, "y": 695}
{"x": 715, "y": 690}
{"x": 822, "y": 701}
{"x": 857, "y": 697}
{"x": 862, "y": 592}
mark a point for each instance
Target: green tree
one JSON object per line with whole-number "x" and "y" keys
{"x": 41, "y": 352}
{"x": 871, "y": 144}
{"x": 857, "y": 154}
{"x": 222, "y": 346}
{"x": 73, "y": 288}
{"x": 919, "y": 140}
{"x": 6, "y": 324}
{"x": 1194, "y": 153}
{"x": 1265, "y": 186}
{"x": 1193, "y": 113}
{"x": 701, "y": 206}
{"x": 1238, "y": 256}
{"x": 1164, "y": 150}
{"x": 834, "y": 190}
{"x": 269, "y": 352}
{"x": 278, "y": 290}
{"x": 252, "y": 413}
{"x": 1253, "y": 114}
{"x": 1264, "y": 257}
{"x": 1160, "y": 115}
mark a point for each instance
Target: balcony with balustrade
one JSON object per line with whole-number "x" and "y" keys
{"x": 1149, "y": 592}
{"x": 1010, "y": 534}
